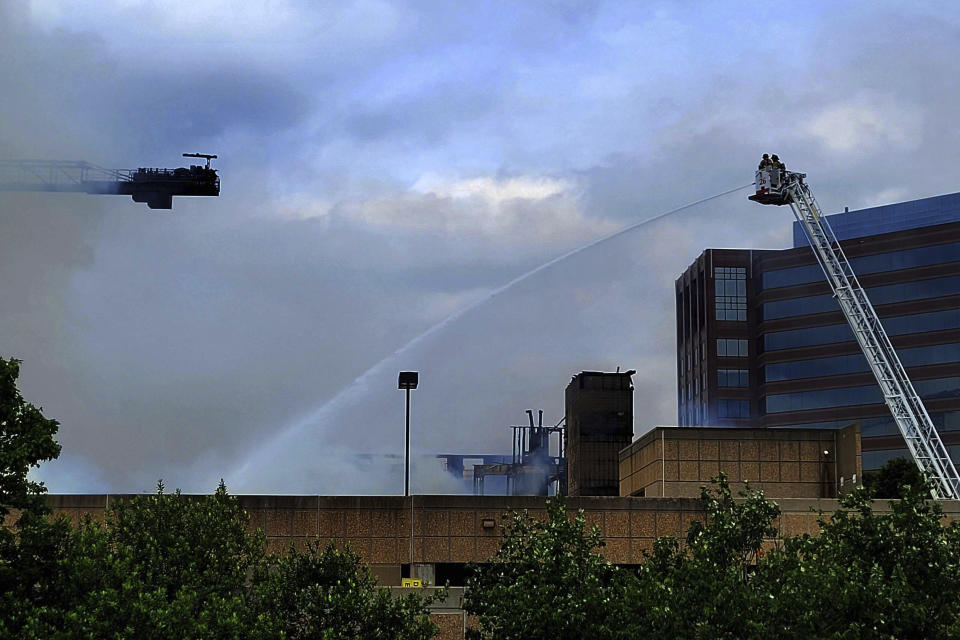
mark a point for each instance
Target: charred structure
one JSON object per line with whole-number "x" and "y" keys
{"x": 533, "y": 471}
{"x": 599, "y": 419}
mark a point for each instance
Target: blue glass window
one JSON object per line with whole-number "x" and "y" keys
{"x": 915, "y": 290}
{"x": 891, "y": 261}
{"x": 733, "y": 378}
{"x": 889, "y": 218}
{"x": 828, "y": 334}
{"x": 873, "y": 460}
{"x": 733, "y": 408}
{"x": 730, "y": 295}
{"x": 895, "y": 326}
{"x": 731, "y": 348}
{"x": 854, "y": 363}
{"x": 792, "y": 276}
{"x": 885, "y": 426}
{"x": 946, "y": 421}
{"x": 849, "y": 396}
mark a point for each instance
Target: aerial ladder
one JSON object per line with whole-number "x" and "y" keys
{"x": 155, "y": 187}
{"x": 776, "y": 186}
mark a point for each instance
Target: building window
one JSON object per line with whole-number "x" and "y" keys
{"x": 733, "y": 408}
{"x": 849, "y": 396}
{"x": 895, "y": 326}
{"x": 731, "y": 348}
{"x": 733, "y": 378}
{"x": 890, "y": 261}
{"x": 730, "y": 285}
{"x": 885, "y": 294}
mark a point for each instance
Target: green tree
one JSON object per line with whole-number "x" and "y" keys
{"x": 888, "y": 483}
{"x": 548, "y": 581}
{"x": 868, "y": 574}
{"x": 707, "y": 589}
{"x": 170, "y": 566}
{"x": 330, "y": 594}
{"x": 162, "y": 566}
{"x": 30, "y": 548}
{"x": 26, "y": 440}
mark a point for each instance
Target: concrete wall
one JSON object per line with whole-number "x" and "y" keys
{"x": 677, "y": 461}
{"x": 450, "y": 529}
{"x": 849, "y": 465}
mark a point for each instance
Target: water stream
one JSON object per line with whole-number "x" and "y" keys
{"x": 304, "y": 432}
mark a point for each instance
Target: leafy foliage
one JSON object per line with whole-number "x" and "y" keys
{"x": 170, "y": 566}
{"x": 28, "y": 550}
{"x": 547, "y": 581}
{"x": 330, "y": 594}
{"x": 893, "y": 476}
{"x": 26, "y": 440}
{"x": 706, "y": 589}
{"x": 868, "y": 574}
{"x": 162, "y": 566}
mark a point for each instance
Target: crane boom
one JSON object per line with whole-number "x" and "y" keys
{"x": 155, "y": 187}
{"x": 776, "y": 186}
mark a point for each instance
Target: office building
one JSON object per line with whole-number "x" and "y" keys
{"x": 761, "y": 342}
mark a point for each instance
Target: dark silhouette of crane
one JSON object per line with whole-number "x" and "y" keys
{"x": 156, "y": 187}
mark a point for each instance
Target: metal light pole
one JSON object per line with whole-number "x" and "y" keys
{"x": 407, "y": 380}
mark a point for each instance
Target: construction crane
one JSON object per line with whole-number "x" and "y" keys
{"x": 156, "y": 187}
{"x": 776, "y": 186}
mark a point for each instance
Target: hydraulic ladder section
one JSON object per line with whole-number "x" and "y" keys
{"x": 905, "y": 404}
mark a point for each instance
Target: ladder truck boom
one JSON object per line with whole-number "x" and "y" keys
{"x": 155, "y": 187}
{"x": 776, "y": 186}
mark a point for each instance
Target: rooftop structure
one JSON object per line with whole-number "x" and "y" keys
{"x": 599, "y": 417}
{"x": 900, "y": 216}
{"x": 784, "y": 463}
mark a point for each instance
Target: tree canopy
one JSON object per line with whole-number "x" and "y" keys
{"x": 878, "y": 574}
{"x": 26, "y": 440}
{"x": 170, "y": 566}
{"x": 548, "y": 581}
{"x": 889, "y": 482}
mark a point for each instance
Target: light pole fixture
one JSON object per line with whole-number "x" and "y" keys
{"x": 407, "y": 380}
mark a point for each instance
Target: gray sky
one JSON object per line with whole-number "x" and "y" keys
{"x": 386, "y": 165}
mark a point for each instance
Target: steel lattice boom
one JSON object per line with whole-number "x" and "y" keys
{"x": 155, "y": 187}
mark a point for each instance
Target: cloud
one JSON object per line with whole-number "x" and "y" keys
{"x": 867, "y": 125}
{"x": 496, "y": 191}
{"x": 173, "y": 110}
{"x": 262, "y": 33}
{"x": 523, "y": 211}
{"x": 388, "y": 164}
